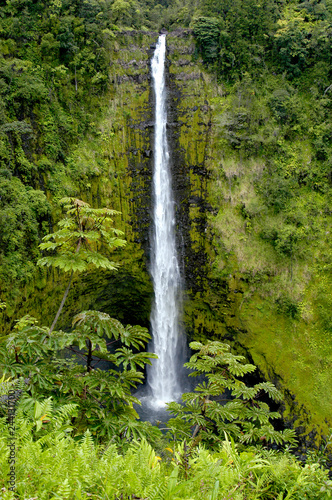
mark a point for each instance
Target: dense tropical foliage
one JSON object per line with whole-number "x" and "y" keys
{"x": 54, "y": 465}
{"x": 225, "y": 404}
{"x": 56, "y": 439}
{"x": 269, "y": 68}
{"x": 102, "y": 397}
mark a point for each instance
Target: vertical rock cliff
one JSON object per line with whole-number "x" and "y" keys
{"x": 223, "y": 298}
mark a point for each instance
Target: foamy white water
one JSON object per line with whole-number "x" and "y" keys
{"x": 163, "y": 377}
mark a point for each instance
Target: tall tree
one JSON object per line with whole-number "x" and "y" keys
{"x": 77, "y": 245}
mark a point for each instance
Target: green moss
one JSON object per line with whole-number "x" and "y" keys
{"x": 244, "y": 283}
{"x": 296, "y": 352}
{"x": 280, "y": 319}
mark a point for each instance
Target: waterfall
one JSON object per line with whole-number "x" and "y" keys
{"x": 163, "y": 375}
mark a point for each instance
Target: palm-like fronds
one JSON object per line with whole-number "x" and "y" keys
{"x": 224, "y": 403}
{"x": 51, "y": 464}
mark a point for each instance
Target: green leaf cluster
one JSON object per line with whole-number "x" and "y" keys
{"x": 103, "y": 399}
{"x": 224, "y": 403}
{"x": 81, "y": 234}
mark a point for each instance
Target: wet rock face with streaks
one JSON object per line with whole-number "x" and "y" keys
{"x": 188, "y": 131}
{"x": 188, "y": 134}
{"x": 119, "y": 155}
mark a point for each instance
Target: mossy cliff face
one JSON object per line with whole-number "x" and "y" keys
{"x": 271, "y": 306}
{"x": 276, "y": 303}
{"x": 110, "y": 167}
{"x": 236, "y": 287}
{"x": 189, "y": 121}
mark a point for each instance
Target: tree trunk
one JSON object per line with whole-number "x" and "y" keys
{"x": 62, "y": 303}
{"x": 66, "y": 292}
{"x": 89, "y": 358}
{"x": 75, "y": 80}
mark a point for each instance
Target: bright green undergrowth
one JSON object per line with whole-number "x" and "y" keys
{"x": 86, "y": 441}
{"x": 56, "y": 466}
{"x": 272, "y": 186}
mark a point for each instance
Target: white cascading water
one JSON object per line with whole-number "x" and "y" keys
{"x": 163, "y": 377}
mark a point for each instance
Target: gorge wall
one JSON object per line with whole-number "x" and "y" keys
{"x": 229, "y": 295}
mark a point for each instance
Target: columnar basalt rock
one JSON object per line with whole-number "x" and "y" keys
{"x": 189, "y": 126}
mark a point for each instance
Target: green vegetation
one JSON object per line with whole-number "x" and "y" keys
{"x": 84, "y": 440}
{"x": 251, "y": 89}
{"x": 51, "y": 74}
{"x": 272, "y": 187}
{"x": 225, "y": 404}
{"x": 81, "y": 232}
{"x": 70, "y": 142}
{"x": 103, "y": 398}
{"x": 54, "y": 465}
{"x": 269, "y": 88}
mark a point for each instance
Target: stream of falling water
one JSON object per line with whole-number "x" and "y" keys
{"x": 163, "y": 375}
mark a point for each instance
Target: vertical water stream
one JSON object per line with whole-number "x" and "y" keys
{"x": 163, "y": 375}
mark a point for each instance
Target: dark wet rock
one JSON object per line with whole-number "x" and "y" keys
{"x": 138, "y": 78}
{"x": 137, "y": 65}
{"x": 181, "y": 33}
{"x": 183, "y": 62}
{"x": 172, "y": 49}
{"x": 185, "y": 77}
{"x": 174, "y": 124}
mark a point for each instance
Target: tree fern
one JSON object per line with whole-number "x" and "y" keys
{"x": 77, "y": 243}
{"x": 31, "y": 351}
{"x": 87, "y": 441}
{"x": 225, "y": 403}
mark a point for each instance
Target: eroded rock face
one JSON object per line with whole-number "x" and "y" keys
{"x": 189, "y": 129}
{"x": 189, "y": 123}
{"x": 189, "y": 135}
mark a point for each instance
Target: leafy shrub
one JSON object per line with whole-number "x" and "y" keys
{"x": 286, "y": 305}
{"x": 103, "y": 398}
{"x": 225, "y": 404}
{"x": 207, "y": 32}
{"x": 50, "y": 464}
{"x": 276, "y": 190}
